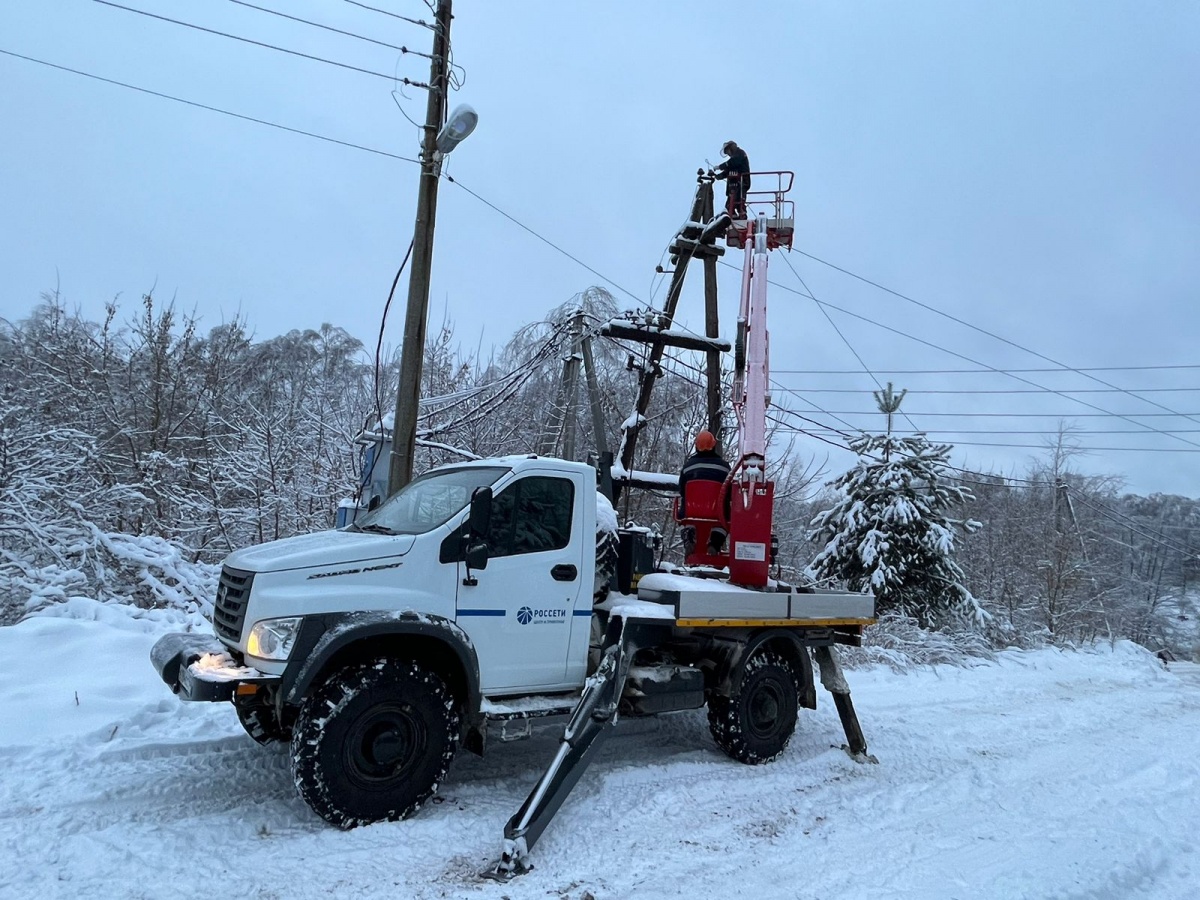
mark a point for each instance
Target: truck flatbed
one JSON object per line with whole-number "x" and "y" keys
{"x": 699, "y": 602}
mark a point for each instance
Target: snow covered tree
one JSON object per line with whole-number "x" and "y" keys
{"x": 890, "y": 532}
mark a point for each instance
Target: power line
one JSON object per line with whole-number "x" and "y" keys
{"x": 421, "y": 22}
{"x": 845, "y": 340}
{"x": 981, "y": 371}
{"x": 1079, "y": 449}
{"x": 958, "y": 469}
{"x": 1010, "y": 374}
{"x": 816, "y": 390}
{"x": 1043, "y": 432}
{"x": 804, "y": 399}
{"x": 360, "y": 37}
{"x": 1020, "y": 378}
{"x": 1125, "y": 522}
{"x": 829, "y": 429}
{"x": 224, "y": 112}
{"x": 984, "y": 331}
{"x": 1008, "y": 415}
{"x": 544, "y": 240}
{"x": 234, "y": 37}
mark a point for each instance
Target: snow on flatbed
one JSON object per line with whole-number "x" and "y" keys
{"x": 1046, "y": 774}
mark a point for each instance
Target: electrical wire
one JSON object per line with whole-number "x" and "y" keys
{"x": 1125, "y": 522}
{"x": 1008, "y": 373}
{"x": 224, "y": 112}
{"x": 245, "y": 40}
{"x": 1009, "y": 415}
{"x": 845, "y": 340}
{"x": 981, "y": 371}
{"x": 378, "y": 364}
{"x": 1041, "y": 432}
{"x": 352, "y": 34}
{"x": 1079, "y": 449}
{"x": 385, "y": 12}
{"x": 1020, "y": 378}
{"x": 984, "y": 331}
{"x": 817, "y": 390}
{"x": 544, "y": 240}
{"x": 822, "y": 303}
{"x": 823, "y": 426}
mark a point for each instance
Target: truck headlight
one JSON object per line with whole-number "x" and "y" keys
{"x": 273, "y": 638}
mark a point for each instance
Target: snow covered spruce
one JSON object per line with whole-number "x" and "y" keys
{"x": 890, "y": 532}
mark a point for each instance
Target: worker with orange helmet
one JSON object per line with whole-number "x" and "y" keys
{"x": 706, "y": 464}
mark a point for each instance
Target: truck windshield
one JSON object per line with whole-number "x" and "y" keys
{"x": 429, "y": 501}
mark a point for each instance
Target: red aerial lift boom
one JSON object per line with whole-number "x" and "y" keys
{"x": 743, "y": 505}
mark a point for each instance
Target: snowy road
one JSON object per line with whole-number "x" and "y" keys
{"x": 1045, "y": 775}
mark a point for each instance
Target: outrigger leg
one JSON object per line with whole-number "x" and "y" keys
{"x": 589, "y": 723}
{"x": 834, "y": 681}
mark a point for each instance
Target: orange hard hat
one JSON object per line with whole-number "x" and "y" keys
{"x": 705, "y": 441}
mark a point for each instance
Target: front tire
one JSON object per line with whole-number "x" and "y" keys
{"x": 755, "y": 725}
{"x": 374, "y": 741}
{"x": 261, "y": 723}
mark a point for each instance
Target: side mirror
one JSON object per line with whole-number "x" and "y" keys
{"x": 479, "y": 522}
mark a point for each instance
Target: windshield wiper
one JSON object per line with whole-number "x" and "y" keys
{"x": 377, "y": 529}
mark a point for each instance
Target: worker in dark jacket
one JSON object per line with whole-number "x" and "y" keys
{"x": 737, "y": 170}
{"x": 706, "y": 464}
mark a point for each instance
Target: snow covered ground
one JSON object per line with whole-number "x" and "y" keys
{"x": 1046, "y": 774}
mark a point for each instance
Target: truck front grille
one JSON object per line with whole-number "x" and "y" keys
{"x": 229, "y": 612}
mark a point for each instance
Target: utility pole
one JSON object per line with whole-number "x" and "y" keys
{"x": 572, "y": 373}
{"x": 408, "y": 396}
{"x": 562, "y": 419}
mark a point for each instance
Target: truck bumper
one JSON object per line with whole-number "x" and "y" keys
{"x": 199, "y": 667}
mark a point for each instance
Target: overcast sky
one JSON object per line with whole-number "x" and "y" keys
{"x": 1027, "y": 168}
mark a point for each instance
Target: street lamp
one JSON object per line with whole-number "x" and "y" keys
{"x": 457, "y": 129}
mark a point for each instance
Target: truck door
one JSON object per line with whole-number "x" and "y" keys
{"x": 519, "y": 614}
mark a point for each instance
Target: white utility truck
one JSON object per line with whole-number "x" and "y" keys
{"x": 479, "y": 593}
{"x": 468, "y": 598}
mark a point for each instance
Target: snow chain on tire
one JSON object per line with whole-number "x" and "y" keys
{"x": 261, "y": 723}
{"x": 373, "y": 741}
{"x": 755, "y": 725}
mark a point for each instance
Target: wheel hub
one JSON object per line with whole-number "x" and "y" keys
{"x": 384, "y": 744}
{"x": 764, "y": 708}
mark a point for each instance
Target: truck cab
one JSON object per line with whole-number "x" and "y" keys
{"x": 481, "y": 574}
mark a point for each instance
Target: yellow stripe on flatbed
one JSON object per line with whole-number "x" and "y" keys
{"x": 761, "y": 623}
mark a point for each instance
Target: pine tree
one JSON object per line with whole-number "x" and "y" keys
{"x": 890, "y": 532}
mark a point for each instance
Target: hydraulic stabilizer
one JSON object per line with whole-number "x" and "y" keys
{"x": 590, "y": 722}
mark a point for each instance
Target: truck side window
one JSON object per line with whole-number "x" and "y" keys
{"x": 531, "y": 516}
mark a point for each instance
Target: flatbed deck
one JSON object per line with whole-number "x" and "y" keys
{"x": 710, "y": 603}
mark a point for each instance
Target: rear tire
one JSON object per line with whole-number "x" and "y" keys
{"x": 755, "y": 725}
{"x": 374, "y": 741}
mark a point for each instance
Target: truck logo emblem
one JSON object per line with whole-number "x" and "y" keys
{"x": 537, "y": 616}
